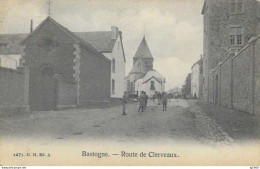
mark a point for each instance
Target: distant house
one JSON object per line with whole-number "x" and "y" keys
{"x": 110, "y": 44}
{"x": 143, "y": 77}
{"x": 151, "y": 82}
{"x": 10, "y": 53}
{"x": 175, "y": 92}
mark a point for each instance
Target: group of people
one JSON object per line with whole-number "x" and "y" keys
{"x": 162, "y": 98}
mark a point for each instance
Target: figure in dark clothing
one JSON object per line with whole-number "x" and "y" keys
{"x": 124, "y": 102}
{"x": 142, "y": 102}
{"x": 154, "y": 96}
{"x": 145, "y": 101}
{"x": 164, "y": 101}
{"x": 195, "y": 96}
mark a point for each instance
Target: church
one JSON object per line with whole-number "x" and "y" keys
{"x": 66, "y": 69}
{"x": 143, "y": 77}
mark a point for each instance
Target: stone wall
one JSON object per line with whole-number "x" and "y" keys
{"x": 239, "y": 80}
{"x": 95, "y": 75}
{"x": 256, "y": 73}
{"x": 67, "y": 94}
{"x": 218, "y": 21}
{"x": 242, "y": 80}
{"x": 14, "y": 90}
{"x": 225, "y": 83}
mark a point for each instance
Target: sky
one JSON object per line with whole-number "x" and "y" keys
{"x": 172, "y": 28}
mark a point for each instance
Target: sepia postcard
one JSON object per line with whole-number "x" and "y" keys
{"x": 130, "y": 83}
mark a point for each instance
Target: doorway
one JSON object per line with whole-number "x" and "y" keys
{"x": 49, "y": 89}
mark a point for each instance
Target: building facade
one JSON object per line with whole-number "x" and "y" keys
{"x": 110, "y": 44}
{"x": 63, "y": 69}
{"x": 229, "y": 27}
{"x": 152, "y": 82}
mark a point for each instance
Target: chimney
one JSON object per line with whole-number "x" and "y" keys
{"x": 31, "y": 28}
{"x": 114, "y": 30}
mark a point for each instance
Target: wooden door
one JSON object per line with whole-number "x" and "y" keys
{"x": 49, "y": 89}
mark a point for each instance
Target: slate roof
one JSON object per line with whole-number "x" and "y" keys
{"x": 69, "y": 33}
{"x": 143, "y": 51}
{"x": 10, "y": 43}
{"x": 100, "y": 40}
{"x": 96, "y": 41}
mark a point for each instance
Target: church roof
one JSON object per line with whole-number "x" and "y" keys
{"x": 143, "y": 51}
{"x": 10, "y": 43}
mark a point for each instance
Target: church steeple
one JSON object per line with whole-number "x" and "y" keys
{"x": 143, "y": 51}
{"x": 143, "y": 59}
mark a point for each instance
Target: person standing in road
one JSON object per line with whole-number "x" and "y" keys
{"x": 164, "y": 101}
{"x": 145, "y": 101}
{"x": 124, "y": 102}
{"x": 142, "y": 102}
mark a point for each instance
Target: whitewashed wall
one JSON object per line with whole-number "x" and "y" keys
{"x": 195, "y": 74}
{"x": 10, "y": 61}
{"x": 119, "y": 73}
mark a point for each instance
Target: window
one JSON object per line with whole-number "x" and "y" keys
{"x": 113, "y": 86}
{"x": 152, "y": 87}
{"x": 236, "y": 36}
{"x": 113, "y": 65}
{"x": 236, "y": 6}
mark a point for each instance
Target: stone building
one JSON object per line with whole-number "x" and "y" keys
{"x": 143, "y": 73}
{"x": 64, "y": 70}
{"x": 229, "y": 27}
{"x": 110, "y": 44}
{"x": 196, "y": 79}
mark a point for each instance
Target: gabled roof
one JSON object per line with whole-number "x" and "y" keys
{"x": 101, "y": 40}
{"x": 153, "y": 74}
{"x": 10, "y": 43}
{"x": 143, "y": 51}
{"x": 69, "y": 33}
